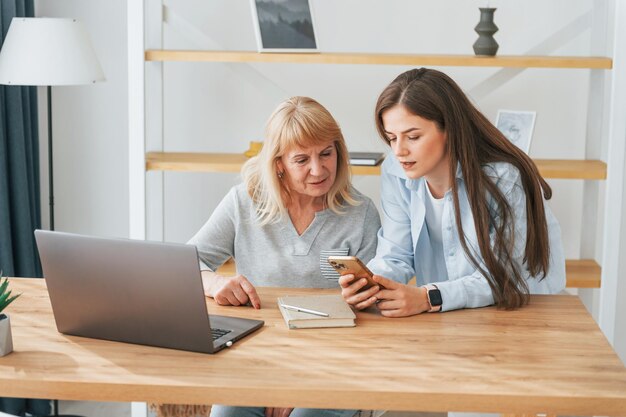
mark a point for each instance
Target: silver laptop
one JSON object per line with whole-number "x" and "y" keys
{"x": 133, "y": 291}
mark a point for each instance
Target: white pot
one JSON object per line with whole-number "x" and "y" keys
{"x": 6, "y": 341}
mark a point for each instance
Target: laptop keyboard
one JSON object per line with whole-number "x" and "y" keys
{"x": 217, "y": 333}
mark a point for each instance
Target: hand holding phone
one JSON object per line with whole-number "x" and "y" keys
{"x": 355, "y": 293}
{"x": 345, "y": 265}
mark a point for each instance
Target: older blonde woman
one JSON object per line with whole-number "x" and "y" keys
{"x": 295, "y": 207}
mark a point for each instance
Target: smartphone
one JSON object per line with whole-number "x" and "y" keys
{"x": 352, "y": 265}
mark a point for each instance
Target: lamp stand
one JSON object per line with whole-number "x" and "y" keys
{"x": 50, "y": 170}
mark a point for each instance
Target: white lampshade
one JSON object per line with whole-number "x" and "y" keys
{"x": 48, "y": 51}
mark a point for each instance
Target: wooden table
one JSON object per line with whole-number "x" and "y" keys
{"x": 549, "y": 357}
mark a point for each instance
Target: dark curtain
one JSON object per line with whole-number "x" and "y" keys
{"x": 20, "y": 211}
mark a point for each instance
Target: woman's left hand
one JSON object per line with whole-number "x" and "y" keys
{"x": 400, "y": 300}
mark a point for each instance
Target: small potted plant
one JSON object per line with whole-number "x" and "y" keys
{"x": 6, "y": 341}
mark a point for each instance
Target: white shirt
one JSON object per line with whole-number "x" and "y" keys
{"x": 433, "y": 216}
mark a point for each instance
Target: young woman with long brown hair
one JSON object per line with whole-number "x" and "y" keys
{"x": 463, "y": 208}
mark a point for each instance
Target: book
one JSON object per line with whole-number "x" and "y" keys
{"x": 366, "y": 158}
{"x": 339, "y": 312}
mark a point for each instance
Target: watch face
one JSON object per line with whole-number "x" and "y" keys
{"x": 435, "y": 298}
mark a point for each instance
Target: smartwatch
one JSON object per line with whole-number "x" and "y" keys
{"x": 434, "y": 298}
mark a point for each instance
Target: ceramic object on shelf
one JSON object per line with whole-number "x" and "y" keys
{"x": 486, "y": 44}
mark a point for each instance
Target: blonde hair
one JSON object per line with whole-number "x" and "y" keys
{"x": 296, "y": 122}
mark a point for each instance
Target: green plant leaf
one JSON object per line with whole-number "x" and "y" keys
{"x": 5, "y": 294}
{"x": 4, "y": 285}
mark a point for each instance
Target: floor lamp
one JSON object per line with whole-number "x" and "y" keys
{"x": 41, "y": 51}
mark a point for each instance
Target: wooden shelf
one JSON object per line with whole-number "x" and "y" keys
{"x": 581, "y": 273}
{"x": 572, "y": 169}
{"x": 228, "y": 162}
{"x": 214, "y": 162}
{"x": 383, "y": 59}
{"x": 194, "y": 161}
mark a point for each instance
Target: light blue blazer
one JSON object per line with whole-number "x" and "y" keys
{"x": 404, "y": 248}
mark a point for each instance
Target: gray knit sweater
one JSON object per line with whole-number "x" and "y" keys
{"x": 275, "y": 255}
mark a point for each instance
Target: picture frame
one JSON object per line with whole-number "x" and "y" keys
{"x": 517, "y": 126}
{"x": 284, "y": 25}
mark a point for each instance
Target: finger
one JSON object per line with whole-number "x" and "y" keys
{"x": 221, "y": 300}
{"x": 390, "y": 305}
{"x": 392, "y": 313}
{"x": 388, "y": 295}
{"x": 354, "y": 293}
{"x": 287, "y": 412}
{"x": 367, "y": 303}
{"x": 363, "y": 295}
{"x": 392, "y": 293}
{"x": 240, "y": 294}
{"x": 255, "y": 300}
{"x": 231, "y": 298}
{"x": 345, "y": 280}
{"x": 358, "y": 285}
{"x": 387, "y": 283}
{"x": 372, "y": 291}
{"x": 351, "y": 289}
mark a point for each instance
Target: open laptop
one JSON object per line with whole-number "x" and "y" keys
{"x": 148, "y": 293}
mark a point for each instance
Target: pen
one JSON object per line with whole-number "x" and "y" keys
{"x": 304, "y": 310}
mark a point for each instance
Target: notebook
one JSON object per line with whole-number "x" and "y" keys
{"x": 134, "y": 291}
{"x": 339, "y": 312}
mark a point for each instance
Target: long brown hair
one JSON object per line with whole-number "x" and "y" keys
{"x": 473, "y": 142}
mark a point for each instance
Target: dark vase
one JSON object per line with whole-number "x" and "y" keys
{"x": 486, "y": 44}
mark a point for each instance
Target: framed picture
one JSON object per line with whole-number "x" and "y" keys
{"x": 517, "y": 126}
{"x": 284, "y": 25}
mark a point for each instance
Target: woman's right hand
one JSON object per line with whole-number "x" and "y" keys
{"x": 234, "y": 291}
{"x": 352, "y": 294}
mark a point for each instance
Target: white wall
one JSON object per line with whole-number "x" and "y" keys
{"x": 220, "y": 107}
{"x": 90, "y": 129}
